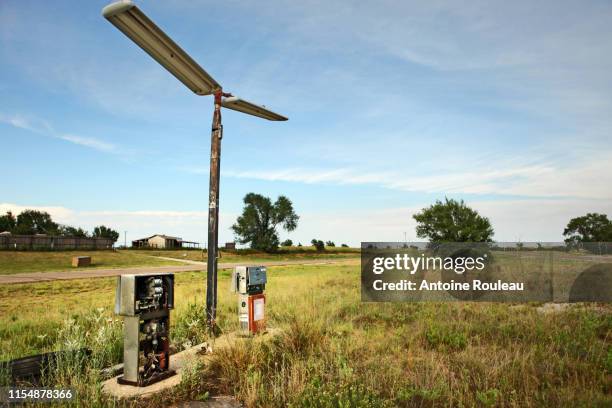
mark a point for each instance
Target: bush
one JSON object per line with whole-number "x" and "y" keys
{"x": 287, "y": 243}
{"x": 319, "y": 393}
{"x": 440, "y": 337}
{"x": 344, "y": 246}
{"x": 318, "y": 244}
{"x": 330, "y": 244}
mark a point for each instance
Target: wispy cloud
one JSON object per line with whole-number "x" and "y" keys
{"x": 43, "y": 127}
{"x": 19, "y": 121}
{"x": 89, "y": 142}
{"x": 586, "y": 180}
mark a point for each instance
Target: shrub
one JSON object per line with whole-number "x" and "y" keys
{"x": 318, "y": 244}
{"x": 444, "y": 337}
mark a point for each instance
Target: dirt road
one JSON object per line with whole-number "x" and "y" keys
{"x": 33, "y": 277}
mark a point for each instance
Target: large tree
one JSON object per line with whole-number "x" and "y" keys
{"x": 452, "y": 221}
{"x": 35, "y": 222}
{"x": 592, "y": 227}
{"x": 260, "y": 218}
{"x": 102, "y": 231}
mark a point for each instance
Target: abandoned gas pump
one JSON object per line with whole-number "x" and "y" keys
{"x": 249, "y": 282}
{"x": 145, "y": 302}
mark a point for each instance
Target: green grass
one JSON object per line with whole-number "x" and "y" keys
{"x": 12, "y": 262}
{"x": 334, "y": 350}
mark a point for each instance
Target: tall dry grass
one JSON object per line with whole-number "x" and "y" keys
{"x": 334, "y": 351}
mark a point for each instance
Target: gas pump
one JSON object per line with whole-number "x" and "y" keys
{"x": 250, "y": 282}
{"x": 145, "y": 301}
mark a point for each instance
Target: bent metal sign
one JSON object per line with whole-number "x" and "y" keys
{"x": 500, "y": 272}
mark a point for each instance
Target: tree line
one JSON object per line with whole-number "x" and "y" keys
{"x": 444, "y": 221}
{"x": 32, "y": 222}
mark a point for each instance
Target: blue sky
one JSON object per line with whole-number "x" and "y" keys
{"x": 392, "y": 105}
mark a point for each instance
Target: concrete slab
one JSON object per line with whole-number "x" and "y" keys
{"x": 180, "y": 362}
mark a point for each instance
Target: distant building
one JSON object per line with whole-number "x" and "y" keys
{"x": 230, "y": 245}
{"x": 163, "y": 242}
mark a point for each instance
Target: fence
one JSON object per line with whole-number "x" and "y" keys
{"x": 45, "y": 242}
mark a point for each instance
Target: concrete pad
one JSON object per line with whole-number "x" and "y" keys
{"x": 180, "y": 362}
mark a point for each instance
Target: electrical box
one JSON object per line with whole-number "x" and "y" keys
{"x": 145, "y": 301}
{"x": 250, "y": 282}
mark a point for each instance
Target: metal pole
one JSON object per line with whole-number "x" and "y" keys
{"x": 213, "y": 214}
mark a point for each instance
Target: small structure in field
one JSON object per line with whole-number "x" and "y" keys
{"x": 163, "y": 242}
{"x": 230, "y": 246}
{"x": 80, "y": 261}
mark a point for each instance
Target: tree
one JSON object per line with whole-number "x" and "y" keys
{"x": 330, "y": 244}
{"x": 287, "y": 243}
{"x": 260, "y": 218}
{"x": 592, "y": 227}
{"x": 452, "y": 221}
{"x": 102, "y": 231}
{"x": 35, "y": 222}
{"x": 68, "y": 231}
{"x": 318, "y": 244}
{"x": 344, "y": 246}
{"x": 7, "y": 222}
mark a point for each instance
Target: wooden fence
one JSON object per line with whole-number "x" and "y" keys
{"x": 47, "y": 242}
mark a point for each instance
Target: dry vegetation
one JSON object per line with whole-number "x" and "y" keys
{"x": 335, "y": 351}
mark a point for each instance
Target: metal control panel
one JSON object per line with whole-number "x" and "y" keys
{"x": 249, "y": 279}
{"x": 145, "y": 302}
{"x": 250, "y": 282}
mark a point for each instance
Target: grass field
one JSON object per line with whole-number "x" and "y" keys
{"x": 45, "y": 261}
{"x": 12, "y": 262}
{"x": 283, "y": 254}
{"x": 335, "y": 351}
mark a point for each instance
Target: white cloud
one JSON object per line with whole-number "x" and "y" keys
{"x": 59, "y": 214}
{"x": 590, "y": 179}
{"x": 42, "y": 127}
{"x": 536, "y": 220}
{"x": 89, "y": 142}
{"x": 27, "y": 123}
